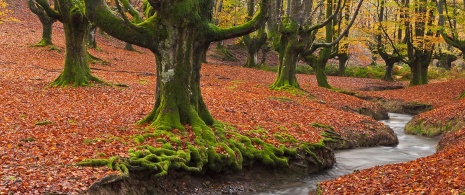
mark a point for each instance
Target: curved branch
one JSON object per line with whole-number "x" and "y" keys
{"x": 216, "y": 33}
{"x": 50, "y": 12}
{"x": 127, "y": 6}
{"x": 98, "y": 12}
{"x": 328, "y": 20}
{"x": 346, "y": 30}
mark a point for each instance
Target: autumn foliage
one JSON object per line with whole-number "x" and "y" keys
{"x": 46, "y": 130}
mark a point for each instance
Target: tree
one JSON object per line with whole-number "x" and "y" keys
{"x": 418, "y": 38}
{"x": 76, "y": 70}
{"x": 46, "y": 22}
{"x": 297, "y": 40}
{"x": 178, "y": 34}
{"x": 382, "y": 46}
{"x": 253, "y": 41}
{"x": 450, "y": 33}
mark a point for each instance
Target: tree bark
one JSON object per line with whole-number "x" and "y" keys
{"x": 388, "y": 73}
{"x": 46, "y": 22}
{"x": 415, "y": 69}
{"x": 76, "y": 70}
{"x": 91, "y": 42}
{"x": 288, "y": 57}
{"x": 320, "y": 68}
{"x": 342, "y": 58}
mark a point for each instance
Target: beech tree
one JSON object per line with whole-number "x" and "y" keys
{"x": 76, "y": 71}
{"x": 179, "y": 33}
{"x": 382, "y": 46}
{"x": 46, "y": 22}
{"x": 253, "y": 41}
{"x": 297, "y": 39}
{"x": 450, "y": 32}
{"x": 418, "y": 38}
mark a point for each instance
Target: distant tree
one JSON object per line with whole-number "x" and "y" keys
{"x": 298, "y": 39}
{"x": 76, "y": 70}
{"x": 449, "y": 29}
{"x": 46, "y": 22}
{"x": 253, "y": 41}
{"x": 383, "y": 48}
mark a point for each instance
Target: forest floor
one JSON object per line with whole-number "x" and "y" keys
{"x": 46, "y": 131}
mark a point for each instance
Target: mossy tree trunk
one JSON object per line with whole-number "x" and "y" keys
{"x": 325, "y": 53}
{"x": 424, "y": 64}
{"x": 419, "y": 44}
{"x": 288, "y": 56}
{"x": 452, "y": 38}
{"x": 253, "y": 44}
{"x": 320, "y": 68}
{"x": 178, "y": 97}
{"x": 415, "y": 69}
{"x": 76, "y": 71}
{"x": 253, "y": 41}
{"x": 46, "y": 22}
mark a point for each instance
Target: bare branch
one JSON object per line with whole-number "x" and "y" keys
{"x": 346, "y": 30}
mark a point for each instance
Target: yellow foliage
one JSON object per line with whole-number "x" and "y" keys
{"x": 4, "y": 12}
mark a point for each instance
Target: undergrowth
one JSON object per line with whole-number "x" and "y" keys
{"x": 400, "y": 72}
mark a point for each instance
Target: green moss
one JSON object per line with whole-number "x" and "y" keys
{"x": 462, "y": 95}
{"x": 429, "y": 129}
{"x": 282, "y": 99}
{"x": 45, "y": 122}
{"x": 29, "y": 139}
{"x": 94, "y": 162}
{"x": 216, "y": 148}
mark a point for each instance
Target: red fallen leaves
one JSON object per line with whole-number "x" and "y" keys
{"x": 441, "y": 173}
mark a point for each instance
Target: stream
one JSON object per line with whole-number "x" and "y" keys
{"x": 410, "y": 147}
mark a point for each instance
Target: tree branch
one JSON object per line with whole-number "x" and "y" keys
{"x": 125, "y": 18}
{"x": 328, "y": 20}
{"x": 50, "y": 12}
{"x": 216, "y": 33}
{"x": 346, "y": 30}
{"x": 98, "y": 12}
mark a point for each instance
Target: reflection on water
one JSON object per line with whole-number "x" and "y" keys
{"x": 410, "y": 147}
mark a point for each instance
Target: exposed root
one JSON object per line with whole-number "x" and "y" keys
{"x": 216, "y": 148}
{"x": 81, "y": 81}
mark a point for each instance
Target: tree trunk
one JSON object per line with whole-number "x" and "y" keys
{"x": 424, "y": 64}
{"x": 325, "y": 53}
{"x": 46, "y": 22}
{"x": 253, "y": 45}
{"x": 46, "y": 32}
{"x": 320, "y": 68}
{"x": 288, "y": 58}
{"x": 178, "y": 97}
{"x": 388, "y": 73}
{"x": 343, "y": 58}
{"x": 129, "y": 47}
{"x": 91, "y": 42}
{"x": 415, "y": 69}
{"x": 76, "y": 70}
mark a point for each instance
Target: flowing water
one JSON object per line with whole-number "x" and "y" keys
{"x": 410, "y": 147}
